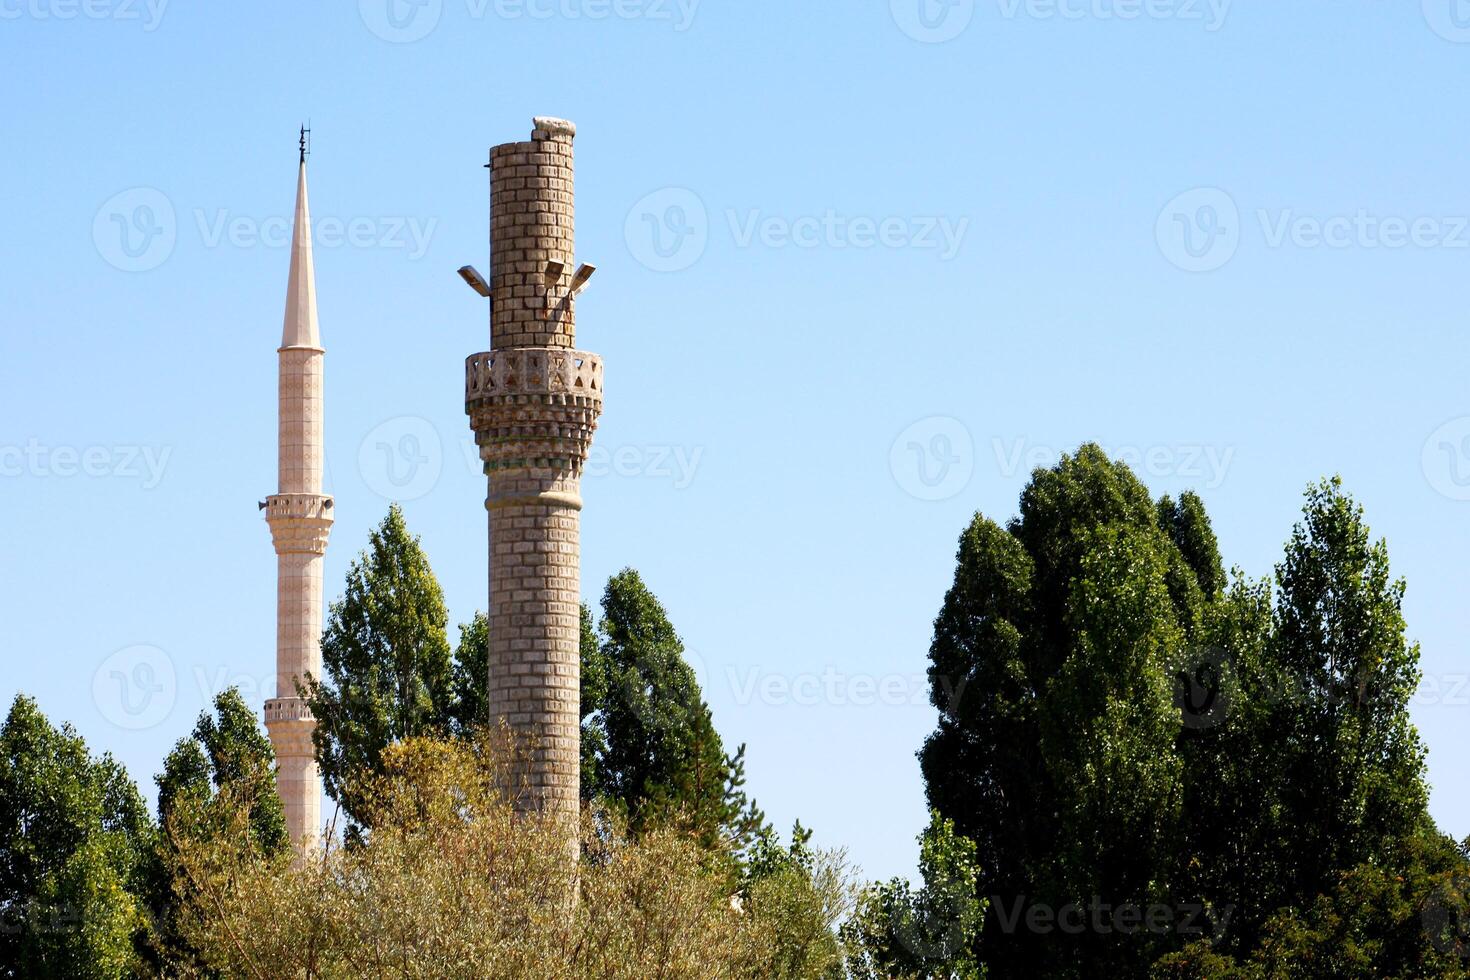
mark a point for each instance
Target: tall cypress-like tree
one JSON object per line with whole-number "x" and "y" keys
{"x": 1052, "y": 667}
{"x": 471, "y": 673}
{"x": 1118, "y": 725}
{"x": 386, "y": 664}
{"x": 1355, "y": 790}
{"x": 655, "y": 753}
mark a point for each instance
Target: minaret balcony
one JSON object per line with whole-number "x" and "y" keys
{"x": 299, "y": 522}
{"x": 554, "y": 374}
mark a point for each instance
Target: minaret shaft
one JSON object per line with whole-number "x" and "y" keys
{"x": 300, "y": 518}
{"x": 533, "y": 402}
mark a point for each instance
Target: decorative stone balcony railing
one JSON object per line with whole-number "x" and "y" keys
{"x": 287, "y": 709}
{"x": 299, "y": 522}
{"x": 532, "y": 371}
{"x": 312, "y": 506}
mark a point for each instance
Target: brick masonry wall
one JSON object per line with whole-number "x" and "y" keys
{"x": 533, "y": 402}
{"x": 532, "y": 223}
{"x": 535, "y": 665}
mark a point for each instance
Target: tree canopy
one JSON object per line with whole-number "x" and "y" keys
{"x": 386, "y": 666}
{"x": 1122, "y": 729}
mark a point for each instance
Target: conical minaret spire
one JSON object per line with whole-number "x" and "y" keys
{"x": 300, "y": 518}
{"x": 300, "y": 329}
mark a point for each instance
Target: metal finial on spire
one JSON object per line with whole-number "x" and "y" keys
{"x": 305, "y": 142}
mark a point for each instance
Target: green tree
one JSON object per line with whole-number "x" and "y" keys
{"x": 226, "y": 755}
{"x": 225, "y": 749}
{"x": 1188, "y": 526}
{"x": 1053, "y": 668}
{"x": 1355, "y": 791}
{"x": 1119, "y": 724}
{"x": 455, "y": 881}
{"x": 75, "y": 841}
{"x": 387, "y": 673}
{"x": 471, "y": 704}
{"x": 796, "y": 895}
{"x": 654, "y": 751}
{"x": 929, "y": 934}
{"x": 593, "y": 697}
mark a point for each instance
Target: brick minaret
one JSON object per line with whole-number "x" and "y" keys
{"x": 300, "y": 518}
{"x": 533, "y": 401}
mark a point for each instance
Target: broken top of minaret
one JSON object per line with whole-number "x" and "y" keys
{"x": 533, "y": 403}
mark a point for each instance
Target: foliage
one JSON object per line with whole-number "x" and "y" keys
{"x": 452, "y": 881}
{"x": 226, "y": 749}
{"x": 796, "y": 894}
{"x": 930, "y": 934}
{"x": 1121, "y": 728}
{"x": 226, "y": 754}
{"x": 471, "y": 673}
{"x": 75, "y": 840}
{"x": 387, "y": 674}
{"x": 655, "y": 753}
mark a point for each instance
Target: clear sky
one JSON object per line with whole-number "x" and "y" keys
{"x": 860, "y": 266}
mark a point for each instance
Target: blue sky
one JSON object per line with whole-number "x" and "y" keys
{"x": 861, "y": 266}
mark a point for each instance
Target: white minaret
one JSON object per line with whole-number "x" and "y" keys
{"x": 300, "y": 518}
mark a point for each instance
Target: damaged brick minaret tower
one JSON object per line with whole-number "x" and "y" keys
{"x": 533, "y": 401}
{"x": 300, "y": 518}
